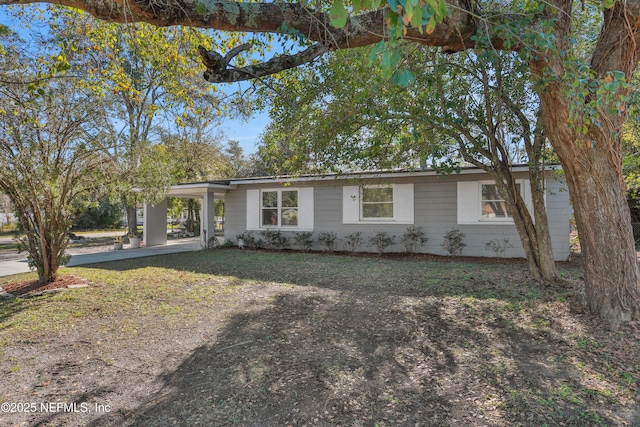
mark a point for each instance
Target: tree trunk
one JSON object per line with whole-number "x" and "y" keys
{"x": 593, "y": 168}
{"x": 546, "y": 258}
{"x": 534, "y": 237}
{"x": 606, "y": 238}
{"x": 592, "y": 162}
{"x": 132, "y": 220}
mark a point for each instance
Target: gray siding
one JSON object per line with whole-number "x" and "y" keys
{"x": 235, "y": 213}
{"x": 435, "y": 205}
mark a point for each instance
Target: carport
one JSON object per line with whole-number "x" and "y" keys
{"x": 155, "y": 216}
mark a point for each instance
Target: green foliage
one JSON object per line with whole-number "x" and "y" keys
{"x": 338, "y": 14}
{"x": 104, "y": 215}
{"x": 249, "y": 240}
{"x": 149, "y": 82}
{"x": 274, "y": 239}
{"x": 304, "y": 240}
{"x": 453, "y": 242}
{"x": 53, "y": 154}
{"x": 631, "y": 153}
{"x": 633, "y": 195}
{"x": 413, "y": 239}
{"x": 353, "y": 240}
{"x": 381, "y": 240}
{"x": 344, "y": 115}
{"x": 328, "y": 239}
{"x": 500, "y": 248}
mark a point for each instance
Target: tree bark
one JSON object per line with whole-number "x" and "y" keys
{"x": 534, "y": 236}
{"x": 592, "y": 162}
{"x": 132, "y": 220}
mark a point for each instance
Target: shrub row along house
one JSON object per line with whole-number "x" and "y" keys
{"x": 374, "y": 202}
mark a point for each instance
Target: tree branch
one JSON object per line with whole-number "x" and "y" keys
{"x": 452, "y": 35}
{"x": 218, "y": 70}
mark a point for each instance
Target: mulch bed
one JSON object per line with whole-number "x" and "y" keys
{"x": 35, "y": 286}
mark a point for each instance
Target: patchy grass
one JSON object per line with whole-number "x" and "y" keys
{"x": 237, "y": 338}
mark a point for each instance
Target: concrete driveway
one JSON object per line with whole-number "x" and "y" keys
{"x": 8, "y": 268}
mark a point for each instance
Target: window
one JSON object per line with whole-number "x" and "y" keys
{"x": 377, "y": 203}
{"x": 479, "y": 202}
{"x": 279, "y": 208}
{"x": 493, "y": 205}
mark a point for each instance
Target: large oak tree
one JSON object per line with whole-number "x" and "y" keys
{"x": 583, "y": 104}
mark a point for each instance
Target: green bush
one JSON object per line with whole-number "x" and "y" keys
{"x": 500, "y": 248}
{"x": 328, "y": 239}
{"x": 273, "y": 239}
{"x": 304, "y": 240}
{"x": 413, "y": 238}
{"x": 381, "y": 240}
{"x": 353, "y": 241}
{"x": 249, "y": 240}
{"x": 453, "y": 242}
{"x": 104, "y": 216}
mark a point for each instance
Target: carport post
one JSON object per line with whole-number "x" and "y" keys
{"x": 155, "y": 224}
{"x": 208, "y": 220}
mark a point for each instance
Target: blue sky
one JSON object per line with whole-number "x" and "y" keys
{"x": 247, "y": 133}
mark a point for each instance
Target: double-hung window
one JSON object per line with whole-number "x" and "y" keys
{"x": 279, "y": 208}
{"x": 377, "y": 203}
{"x": 493, "y": 204}
{"x": 480, "y": 202}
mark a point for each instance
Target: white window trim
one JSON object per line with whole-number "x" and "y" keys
{"x": 379, "y": 220}
{"x": 508, "y": 220}
{"x": 469, "y": 203}
{"x": 403, "y": 205}
{"x": 279, "y": 209}
{"x": 305, "y": 209}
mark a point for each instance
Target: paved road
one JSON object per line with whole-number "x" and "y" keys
{"x": 186, "y": 245}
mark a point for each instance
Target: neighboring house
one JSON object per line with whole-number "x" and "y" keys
{"x": 373, "y": 201}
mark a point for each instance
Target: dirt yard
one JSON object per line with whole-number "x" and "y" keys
{"x": 254, "y": 338}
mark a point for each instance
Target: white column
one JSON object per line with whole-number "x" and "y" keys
{"x": 155, "y": 224}
{"x": 207, "y": 218}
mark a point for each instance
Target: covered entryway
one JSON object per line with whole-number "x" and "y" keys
{"x": 155, "y": 216}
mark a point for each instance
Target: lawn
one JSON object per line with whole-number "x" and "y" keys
{"x": 253, "y": 338}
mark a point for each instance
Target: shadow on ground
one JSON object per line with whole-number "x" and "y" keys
{"x": 354, "y": 342}
{"x": 325, "y": 358}
{"x": 393, "y": 275}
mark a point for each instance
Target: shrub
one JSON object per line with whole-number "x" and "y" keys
{"x": 249, "y": 239}
{"x": 328, "y": 239}
{"x": 413, "y": 238}
{"x": 353, "y": 241}
{"x": 104, "y": 215}
{"x": 273, "y": 239}
{"x": 500, "y": 248}
{"x": 304, "y": 240}
{"x": 381, "y": 240}
{"x": 453, "y": 242}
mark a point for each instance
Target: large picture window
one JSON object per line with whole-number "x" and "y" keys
{"x": 377, "y": 202}
{"x": 279, "y": 208}
{"x": 493, "y": 204}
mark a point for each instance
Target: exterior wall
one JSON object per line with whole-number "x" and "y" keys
{"x": 435, "y": 209}
{"x": 235, "y": 213}
{"x": 155, "y": 224}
